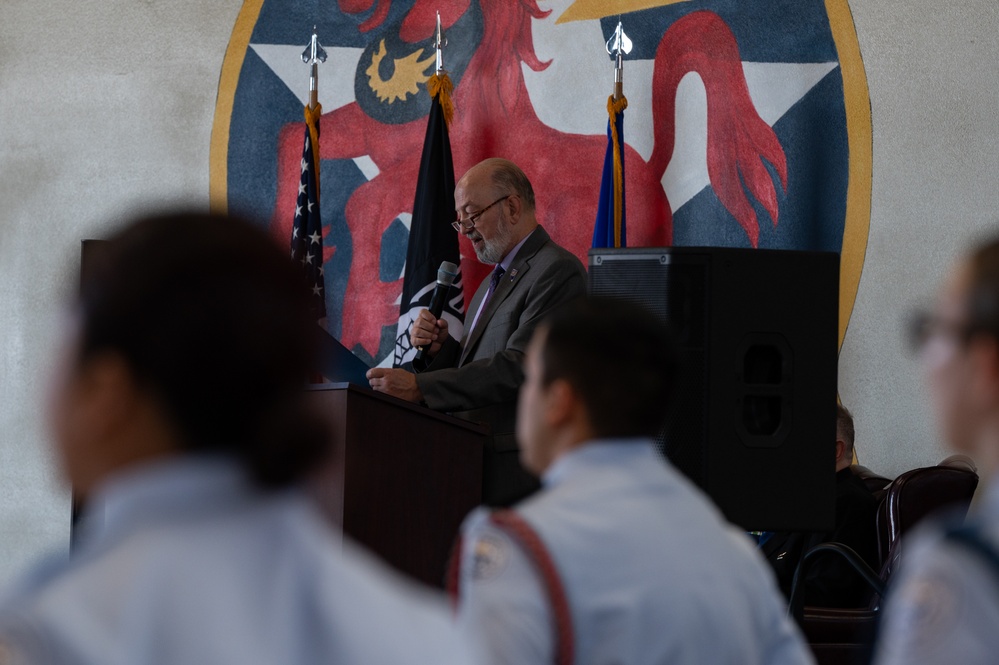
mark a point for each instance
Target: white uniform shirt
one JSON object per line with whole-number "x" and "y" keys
{"x": 185, "y": 563}
{"x": 651, "y": 571}
{"x": 943, "y": 603}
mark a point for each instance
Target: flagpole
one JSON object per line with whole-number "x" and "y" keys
{"x": 314, "y": 54}
{"x": 307, "y": 229}
{"x": 619, "y": 67}
{"x": 609, "y": 226}
{"x": 439, "y": 86}
{"x": 618, "y": 45}
{"x": 440, "y": 41}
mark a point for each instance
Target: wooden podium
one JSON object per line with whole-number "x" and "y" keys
{"x": 402, "y": 477}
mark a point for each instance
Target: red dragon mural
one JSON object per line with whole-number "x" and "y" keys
{"x": 494, "y": 116}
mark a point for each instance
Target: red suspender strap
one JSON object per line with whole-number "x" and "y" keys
{"x": 517, "y": 527}
{"x": 453, "y": 575}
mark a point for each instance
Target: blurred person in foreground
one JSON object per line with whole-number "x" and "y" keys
{"x": 943, "y": 603}
{"x": 179, "y": 416}
{"x": 619, "y": 558}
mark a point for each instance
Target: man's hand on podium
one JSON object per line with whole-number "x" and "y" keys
{"x": 396, "y": 382}
{"x": 427, "y": 329}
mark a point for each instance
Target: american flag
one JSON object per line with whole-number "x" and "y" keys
{"x": 307, "y": 230}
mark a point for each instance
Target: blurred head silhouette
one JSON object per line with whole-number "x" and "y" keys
{"x": 191, "y": 335}
{"x": 959, "y": 343}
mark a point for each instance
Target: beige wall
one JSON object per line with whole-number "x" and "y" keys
{"x": 934, "y": 84}
{"x": 108, "y": 104}
{"x": 104, "y": 105}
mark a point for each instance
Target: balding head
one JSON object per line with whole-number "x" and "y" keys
{"x": 506, "y": 177}
{"x": 496, "y": 195}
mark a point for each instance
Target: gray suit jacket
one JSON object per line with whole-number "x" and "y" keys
{"x": 479, "y": 378}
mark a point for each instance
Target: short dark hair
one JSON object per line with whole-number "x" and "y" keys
{"x": 618, "y": 357}
{"x": 844, "y": 426}
{"x": 213, "y": 319}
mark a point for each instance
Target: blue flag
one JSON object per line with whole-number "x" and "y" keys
{"x": 609, "y": 227}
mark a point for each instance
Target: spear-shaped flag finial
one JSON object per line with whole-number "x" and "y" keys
{"x": 313, "y": 54}
{"x": 440, "y": 41}
{"x": 618, "y": 46}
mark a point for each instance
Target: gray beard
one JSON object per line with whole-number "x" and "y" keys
{"x": 492, "y": 251}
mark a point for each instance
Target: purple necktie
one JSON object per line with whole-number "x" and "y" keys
{"x": 493, "y": 283}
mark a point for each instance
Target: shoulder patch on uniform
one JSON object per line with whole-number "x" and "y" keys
{"x": 489, "y": 557}
{"x": 929, "y": 608}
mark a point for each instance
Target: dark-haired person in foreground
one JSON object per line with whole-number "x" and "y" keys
{"x": 179, "y": 415}
{"x": 619, "y": 559}
{"x": 943, "y": 603}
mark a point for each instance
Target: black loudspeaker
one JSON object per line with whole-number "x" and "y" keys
{"x": 753, "y": 421}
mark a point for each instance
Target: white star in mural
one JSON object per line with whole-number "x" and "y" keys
{"x": 336, "y": 81}
{"x": 336, "y": 75}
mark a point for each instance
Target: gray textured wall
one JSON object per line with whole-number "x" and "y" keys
{"x": 934, "y": 85}
{"x": 106, "y": 105}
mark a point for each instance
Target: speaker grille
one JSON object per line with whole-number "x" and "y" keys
{"x": 753, "y": 418}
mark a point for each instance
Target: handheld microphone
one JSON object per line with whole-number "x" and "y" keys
{"x": 445, "y": 277}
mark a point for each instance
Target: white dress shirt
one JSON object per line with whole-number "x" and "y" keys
{"x": 651, "y": 571}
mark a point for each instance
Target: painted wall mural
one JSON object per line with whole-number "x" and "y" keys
{"x": 748, "y": 125}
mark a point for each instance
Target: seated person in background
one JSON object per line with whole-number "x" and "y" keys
{"x": 619, "y": 558}
{"x": 179, "y": 416}
{"x": 831, "y": 582}
{"x": 477, "y": 377}
{"x": 943, "y": 603}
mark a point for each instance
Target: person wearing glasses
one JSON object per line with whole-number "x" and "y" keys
{"x": 943, "y": 605}
{"x": 478, "y": 376}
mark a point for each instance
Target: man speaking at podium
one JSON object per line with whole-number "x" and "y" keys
{"x": 478, "y": 378}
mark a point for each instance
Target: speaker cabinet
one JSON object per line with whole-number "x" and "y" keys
{"x": 753, "y": 421}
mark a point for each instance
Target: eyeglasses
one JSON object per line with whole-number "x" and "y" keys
{"x": 469, "y": 224}
{"x": 923, "y": 326}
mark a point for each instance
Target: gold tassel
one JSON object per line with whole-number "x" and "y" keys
{"x": 312, "y": 122}
{"x": 439, "y": 85}
{"x": 613, "y": 108}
